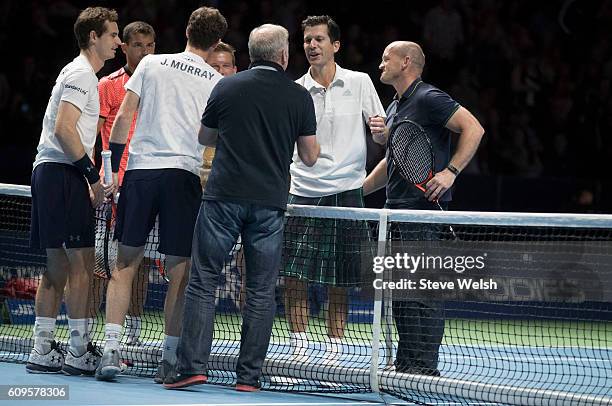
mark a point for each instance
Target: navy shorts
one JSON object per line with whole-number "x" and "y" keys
{"x": 173, "y": 194}
{"x": 62, "y": 214}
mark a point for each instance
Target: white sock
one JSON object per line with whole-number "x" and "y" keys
{"x": 78, "y": 336}
{"x": 298, "y": 337}
{"x": 298, "y": 343}
{"x": 132, "y": 327}
{"x": 44, "y": 329}
{"x": 112, "y": 336}
{"x": 334, "y": 345}
{"x": 169, "y": 352}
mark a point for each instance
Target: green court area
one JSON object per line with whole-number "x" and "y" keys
{"x": 490, "y": 332}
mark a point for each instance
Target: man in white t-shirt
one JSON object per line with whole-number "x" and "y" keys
{"x": 170, "y": 92}
{"x": 326, "y": 252}
{"x": 65, "y": 189}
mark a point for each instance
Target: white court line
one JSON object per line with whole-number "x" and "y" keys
{"x": 496, "y": 346}
{"x": 542, "y": 358}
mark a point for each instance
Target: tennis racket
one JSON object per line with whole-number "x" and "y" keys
{"x": 105, "y": 260}
{"x": 412, "y": 153}
{"x": 159, "y": 263}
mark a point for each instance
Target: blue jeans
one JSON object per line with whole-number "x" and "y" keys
{"x": 217, "y": 228}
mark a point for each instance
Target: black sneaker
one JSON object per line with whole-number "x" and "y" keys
{"x": 164, "y": 369}
{"x": 417, "y": 370}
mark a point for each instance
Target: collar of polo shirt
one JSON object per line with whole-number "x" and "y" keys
{"x": 339, "y": 79}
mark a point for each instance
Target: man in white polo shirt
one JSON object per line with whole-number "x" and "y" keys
{"x": 170, "y": 92}
{"x": 344, "y": 101}
{"x": 65, "y": 189}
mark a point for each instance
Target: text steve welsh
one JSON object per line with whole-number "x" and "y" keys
{"x": 428, "y": 284}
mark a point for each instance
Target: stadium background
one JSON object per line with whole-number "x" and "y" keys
{"x": 536, "y": 74}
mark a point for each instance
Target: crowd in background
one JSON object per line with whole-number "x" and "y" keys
{"x": 536, "y": 74}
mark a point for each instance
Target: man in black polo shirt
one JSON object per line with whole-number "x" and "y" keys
{"x": 255, "y": 118}
{"x": 420, "y": 324}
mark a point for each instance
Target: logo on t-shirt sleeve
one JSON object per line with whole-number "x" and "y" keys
{"x": 78, "y": 89}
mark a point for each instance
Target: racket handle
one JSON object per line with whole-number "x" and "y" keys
{"x": 106, "y": 164}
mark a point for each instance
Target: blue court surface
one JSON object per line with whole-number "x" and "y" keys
{"x": 552, "y": 368}
{"x": 129, "y": 390}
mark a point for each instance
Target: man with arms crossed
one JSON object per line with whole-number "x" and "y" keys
{"x": 344, "y": 101}
{"x": 420, "y": 325}
{"x": 255, "y": 118}
{"x": 139, "y": 41}
{"x": 65, "y": 189}
{"x": 170, "y": 92}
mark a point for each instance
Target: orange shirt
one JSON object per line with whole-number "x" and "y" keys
{"x": 112, "y": 92}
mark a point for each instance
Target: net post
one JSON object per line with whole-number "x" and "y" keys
{"x": 378, "y": 295}
{"x": 388, "y": 321}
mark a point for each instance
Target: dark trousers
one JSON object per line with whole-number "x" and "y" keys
{"x": 420, "y": 324}
{"x": 217, "y": 228}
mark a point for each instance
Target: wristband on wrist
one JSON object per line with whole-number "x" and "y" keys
{"x": 117, "y": 153}
{"x": 88, "y": 169}
{"x": 452, "y": 168}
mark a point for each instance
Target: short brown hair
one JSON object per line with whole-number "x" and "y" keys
{"x": 205, "y": 27}
{"x": 92, "y": 19}
{"x": 225, "y": 47}
{"x": 333, "y": 30}
{"x": 137, "y": 27}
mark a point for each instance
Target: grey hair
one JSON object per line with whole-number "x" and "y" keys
{"x": 267, "y": 42}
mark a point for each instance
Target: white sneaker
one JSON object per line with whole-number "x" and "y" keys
{"x": 110, "y": 366}
{"x": 133, "y": 341}
{"x": 50, "y": 362}
{"x": 85, "y": 364}
{"x": 333, "y": 351}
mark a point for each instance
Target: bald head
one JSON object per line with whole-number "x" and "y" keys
{"x": 402, "y": 62}
{"x": 269, "y": 42}
{"x": 411, "y": 50}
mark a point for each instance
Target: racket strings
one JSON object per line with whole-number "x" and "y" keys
{"x": 105, "y": 247}
{"x": 412, "y": 152}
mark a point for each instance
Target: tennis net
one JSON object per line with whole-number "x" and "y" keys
{"x": 544, "y": 336}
